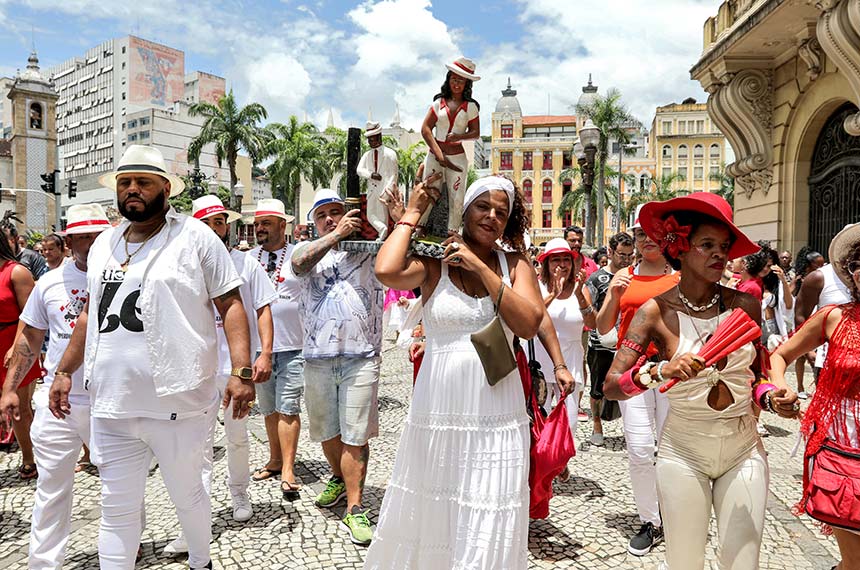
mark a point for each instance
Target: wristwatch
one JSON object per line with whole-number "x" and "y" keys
{"x": 243, "y": 373}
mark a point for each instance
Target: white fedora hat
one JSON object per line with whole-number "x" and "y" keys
{"x": 464, "y": 67}
{"x": 86, "y": 219}
{"x": 142, "y": 159}
{"x": 372, "y": 128}
{"x": 209, "y": 205}
{"x": 322, "y": 197}
{"x": 271, "y": 207}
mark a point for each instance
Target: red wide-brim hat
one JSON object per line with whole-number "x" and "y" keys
{"x": 706, "y": 203}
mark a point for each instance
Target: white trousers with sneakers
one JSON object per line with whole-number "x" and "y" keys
{"x": 56, "y": 447}
{"x": 643, "y": 417}
{"x": 238, "y": 449}
{"x": 123, "y": 449}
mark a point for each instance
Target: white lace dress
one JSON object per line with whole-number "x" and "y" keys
{"x": 458, "y": 497}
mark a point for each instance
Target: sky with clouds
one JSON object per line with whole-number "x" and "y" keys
{"x": 355, "y": 58}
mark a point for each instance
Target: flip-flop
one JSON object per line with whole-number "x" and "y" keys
{"x": 291, "y": 490}
{"x": 264, "y": 473}
{"x": 28, "y": 471}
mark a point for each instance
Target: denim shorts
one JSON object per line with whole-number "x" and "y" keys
{"x": 342, "y": 399}
{"x": 282, "y": 392}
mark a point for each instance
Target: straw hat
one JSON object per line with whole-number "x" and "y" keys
{"x": 321, "y": 198}
{"x": 271, "y": 207}
{"x": 142, "y": 159}
{"x": 210, "y": 205}
{"x": 841, "y": 248}
{"x": 85, "y": 219}
{"x": 372, "y": 128}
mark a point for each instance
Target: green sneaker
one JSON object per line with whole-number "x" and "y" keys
{"x": 357, "y": 525}
{"x": 334, "y": 492}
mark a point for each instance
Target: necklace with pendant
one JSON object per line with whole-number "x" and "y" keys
{"x": 276, "y": 276}
{"x": 128, "y": 256}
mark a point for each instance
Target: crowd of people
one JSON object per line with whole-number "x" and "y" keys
{"x": 120, "y": 344}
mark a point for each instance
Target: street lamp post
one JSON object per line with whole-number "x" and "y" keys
{"x": 236, "y": 195}
{"x": 621, "y": 149}
{"x": 589, "y": 137}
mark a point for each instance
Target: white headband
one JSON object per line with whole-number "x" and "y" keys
{"x": 485, "y": 184}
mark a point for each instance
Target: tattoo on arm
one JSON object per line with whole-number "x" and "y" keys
{"x": 309, "y": 255}
{"x": 22, "y": 360}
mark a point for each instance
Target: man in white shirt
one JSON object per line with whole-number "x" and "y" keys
{"x": 341, "y": 308}
{"x": 280, "y": 397}
{"x": 257, "y": 295}
{"x": 379, "y": 167}
{"x": 150, "y": 356}
{"x": 54, "y": 306}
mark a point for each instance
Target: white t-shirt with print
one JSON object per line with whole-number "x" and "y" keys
{"x": 121, "y": 384}
{"x": 256, "y": 292}
{"x": 341, "y": 307}
{"x": 54, "y": 305}
{"x": 285, "y": 310}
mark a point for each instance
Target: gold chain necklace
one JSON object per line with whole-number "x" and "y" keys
{"x": 129, "y": 256}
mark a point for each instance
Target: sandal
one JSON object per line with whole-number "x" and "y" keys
{"x": 264, "y": 473}
{"x": 28, "y": 471}
{"x": 290, "y": 490}
{"x": 82, "y": 466}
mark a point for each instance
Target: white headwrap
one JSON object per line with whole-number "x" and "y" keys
{"x": 485, "y": 184}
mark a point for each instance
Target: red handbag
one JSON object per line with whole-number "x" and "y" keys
{"x": 551, "y": 445}
{"x": 832, "y": 482}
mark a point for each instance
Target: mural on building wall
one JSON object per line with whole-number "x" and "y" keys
{"x": 156, "y": 74}
{"x": 210, "y": 88}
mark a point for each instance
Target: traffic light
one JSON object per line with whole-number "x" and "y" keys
{"x": 73, "y": 188}
{"x": 49, "y": 185}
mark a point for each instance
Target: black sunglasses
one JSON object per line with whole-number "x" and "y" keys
{"x": 273, "y": 257}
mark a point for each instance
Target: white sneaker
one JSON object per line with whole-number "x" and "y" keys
{"x": 803, "y": 395}
{"x": 242, "y": 509}
{"x": 177, "y": 545}
{"x": 596, "y": 439}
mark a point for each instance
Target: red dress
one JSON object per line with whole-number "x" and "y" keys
{"x": 9, "y": 313}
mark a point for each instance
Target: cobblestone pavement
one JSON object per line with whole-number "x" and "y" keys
{"x": 592, "y": 515}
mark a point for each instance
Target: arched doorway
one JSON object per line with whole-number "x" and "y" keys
{"x": 834, "y": 181}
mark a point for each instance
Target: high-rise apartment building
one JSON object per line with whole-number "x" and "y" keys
{"x": 99, "y": 93}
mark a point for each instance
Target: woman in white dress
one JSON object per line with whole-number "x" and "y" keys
{"x": 568, "y": 304}
{"x": 458, "y": 496}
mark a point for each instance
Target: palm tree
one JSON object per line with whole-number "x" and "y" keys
{"x": 726, "y": 188}
{"x": 661, "y": 189}
{"x": 611, "y": 117}
{"x": 579, "y": 200}
{"x": 297, "y": 150}
{"x": 408, "y": 161}
{"x": 230, "y": 128}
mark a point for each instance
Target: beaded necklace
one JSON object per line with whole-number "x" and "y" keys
{"x": 276, "y": 275}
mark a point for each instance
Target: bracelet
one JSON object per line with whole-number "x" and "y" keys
{"x": 759, "y": 391}
{"x": 62, "y": 373}
{"x": 633, "y": 345}
{"x": 586, "y": 310}
{"x": 768, "y": 404}
{"x": 660, "y": 365}
{"x": 407, "y": 224}
{"x": 628, "y": 386}
{"x": 559, "y": 367}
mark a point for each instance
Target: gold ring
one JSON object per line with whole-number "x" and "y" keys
{"x": 250, "y": 404}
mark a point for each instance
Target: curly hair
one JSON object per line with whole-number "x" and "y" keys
{"x": 518, "y": 223}
{"x": 694, "y": 220}
{"x": 804, "y": 260}
{"x": 445, "y": 91}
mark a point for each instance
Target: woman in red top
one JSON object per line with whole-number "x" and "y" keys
{"x": 833, "y": 416}
{"x": 16, "y": 283}
{"x": 643, "y": 416}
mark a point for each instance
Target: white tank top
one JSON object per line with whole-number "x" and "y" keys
{"x": 834, "y": 291}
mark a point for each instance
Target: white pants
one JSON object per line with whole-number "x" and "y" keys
{"x": 377, "y": 212}
{"x": 719, "y": 465}
{"x": 643, "y": 417}
{"x": 238, "y": 469}
{"x": 56, "y": 446}
{"x": 553, "y": 393}
{"x": 456, "y": 183}
{"x": 123, "y": 449}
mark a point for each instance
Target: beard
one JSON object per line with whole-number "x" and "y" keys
{"x": 150, "y": 209}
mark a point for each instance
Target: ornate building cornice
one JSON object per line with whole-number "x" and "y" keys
{"x": 741, "y": 105}
{"x": 839, "y": 35}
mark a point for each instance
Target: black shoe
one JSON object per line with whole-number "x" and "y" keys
{"x": 642, "y": 543}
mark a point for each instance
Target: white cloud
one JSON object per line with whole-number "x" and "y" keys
{"x": 277, "y": 81}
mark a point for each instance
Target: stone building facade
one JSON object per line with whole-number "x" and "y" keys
{"x": 783, "y": 78}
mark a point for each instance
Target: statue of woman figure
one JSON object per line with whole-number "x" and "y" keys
{"x": 455, "y": 117}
